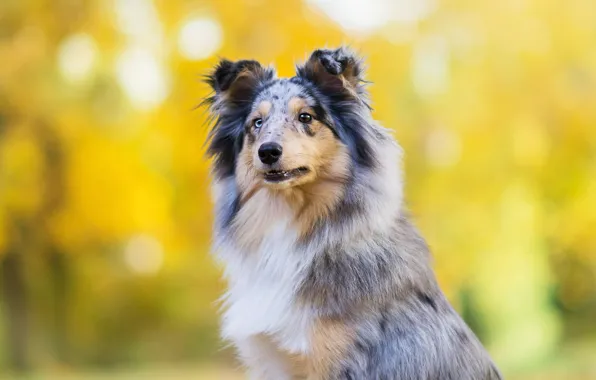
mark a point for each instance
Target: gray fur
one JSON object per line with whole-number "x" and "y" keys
{"x": 405, "y": 327}
{"x": 367, "y": 266}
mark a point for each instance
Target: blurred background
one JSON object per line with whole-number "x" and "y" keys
{"x": 105, "y": 213}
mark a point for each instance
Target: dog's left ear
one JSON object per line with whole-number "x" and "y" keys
{"x": 338, "y": 71}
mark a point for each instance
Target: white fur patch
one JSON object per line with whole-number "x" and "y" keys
{"x": 263, "y": 284}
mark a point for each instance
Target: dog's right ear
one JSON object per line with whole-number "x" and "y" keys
{"x": 235, "y": 83}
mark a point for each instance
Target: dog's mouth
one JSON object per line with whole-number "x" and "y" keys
{"x": 277, "y": 176}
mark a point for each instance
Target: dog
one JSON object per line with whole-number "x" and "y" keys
{"x": 327, "y": 277}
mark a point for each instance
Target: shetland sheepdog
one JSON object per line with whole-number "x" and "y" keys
{"x": 327, "y": 277}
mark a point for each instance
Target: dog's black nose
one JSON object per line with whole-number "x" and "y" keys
{"x": 270, "y": 152}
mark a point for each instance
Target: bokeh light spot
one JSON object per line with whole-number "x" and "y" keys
{"x": 139, "y": 21}
{"x": 443, "y": 148}
{"x": 368, "y": 15}
{"x": 200, "y": 38}
{"x": 143, "y": 254}
{"x": 143, "y": 77}
{"x": 77, "y": 55}
{"x": 430, "y": 66}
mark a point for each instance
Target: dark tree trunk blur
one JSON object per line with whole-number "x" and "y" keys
{"x": 59, "y": 273}
{"x": 64, "y": 17}
{"x": 14, "y": 297}
{"x": 13, "y": 288}
{"x": 57, "y": 261}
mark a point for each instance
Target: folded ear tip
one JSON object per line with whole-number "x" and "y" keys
{"x": 331, "y": 65}
{"x": 341, "y": 53}
{"x": 325, "y": 66}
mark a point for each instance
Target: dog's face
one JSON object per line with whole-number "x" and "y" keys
{"x": 288, "y": 138}
{"x": 284, "y": 133}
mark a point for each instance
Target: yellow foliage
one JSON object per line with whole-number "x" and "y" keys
{"x": 102, "y": 153}
{"x": 20, "y": 173}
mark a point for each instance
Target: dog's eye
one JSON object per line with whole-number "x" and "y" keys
{"x": 305, "y": 118}
{"x": 257, "y": 123}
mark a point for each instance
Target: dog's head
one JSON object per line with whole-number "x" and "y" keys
{"x": 284, "y": 133}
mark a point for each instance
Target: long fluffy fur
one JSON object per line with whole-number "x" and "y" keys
{"x": 353, "y": 296}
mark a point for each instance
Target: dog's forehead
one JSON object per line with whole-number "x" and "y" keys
{"x": 280, "y": 93}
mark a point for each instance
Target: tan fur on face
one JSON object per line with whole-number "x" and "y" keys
{"x": 315, "y": 194}
{"x": 297, "y": 105}
{"x": 317, "y": 199}
{"x": 259, "y": 207}
{"x": 301, "y": 149}
{"x": 315, "y": 152}
{"x": 330, "y": 340}
{"x": 261, "y": 111}
{"x": 247, "y": 178}
{"x": 329, "y": 162}
{"x": 264, "y": 108}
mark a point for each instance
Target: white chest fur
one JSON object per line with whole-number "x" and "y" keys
{"x": 262, "y": 287}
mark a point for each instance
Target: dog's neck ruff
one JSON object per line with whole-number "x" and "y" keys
{"x": 266, "y": 257}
